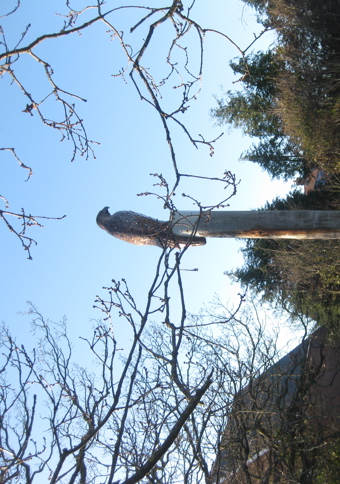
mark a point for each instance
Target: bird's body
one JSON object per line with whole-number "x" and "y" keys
{"x": 138, "y": 229}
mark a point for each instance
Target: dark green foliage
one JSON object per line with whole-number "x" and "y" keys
{"x": 329, "y": 469}
{"x": 247, "y": 111}
{"x": 259, "y": 72}
{"x": 308, "y": 88}
{"x": 290, "y": 101}
{"x": 259, "y": 5}
{"x": 251, "y": 108}
{"x": 278, "y": 156}
{"x": 302, "y": 276}
{"x": 290, "y": 97}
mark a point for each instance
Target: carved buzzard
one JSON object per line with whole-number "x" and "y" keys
{"x": 138, "y": 229}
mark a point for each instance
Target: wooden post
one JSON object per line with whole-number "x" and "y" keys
{"x": 191, "y": 228}
{"x": 266, "y": 224}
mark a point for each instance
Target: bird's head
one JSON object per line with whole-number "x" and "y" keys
{"x": 102, "y": 216}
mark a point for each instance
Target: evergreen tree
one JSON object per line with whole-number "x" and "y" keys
{"x": 299, "y": 275}
{"x": 253, "y": 110}
{"x": 279, "y": 156}
{"x": 290, "y": 93}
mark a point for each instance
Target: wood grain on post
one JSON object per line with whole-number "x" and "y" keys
{"x": 266, "y": 224}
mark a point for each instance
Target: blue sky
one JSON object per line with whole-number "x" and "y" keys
{"x": 74, "y": 258}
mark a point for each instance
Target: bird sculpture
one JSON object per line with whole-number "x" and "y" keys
{"x": 138, "y": 229}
